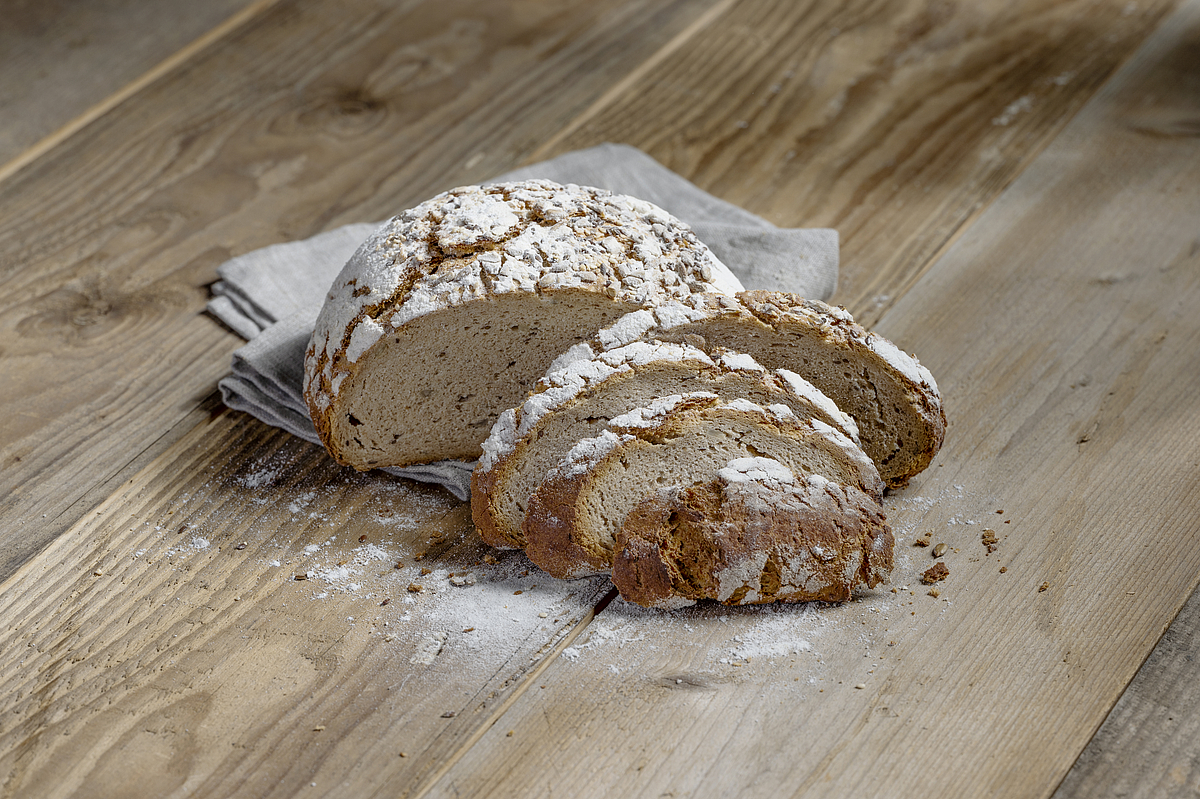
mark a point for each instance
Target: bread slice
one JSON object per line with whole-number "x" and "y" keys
{"x": 577, "y": 401}
{"x": 451, "y": 311}
{"x": 893, "y": 399}
{"x": 757, "y": 533}
{"x": 575, "y": 514}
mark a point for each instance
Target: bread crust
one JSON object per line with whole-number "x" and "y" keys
{"x": 769, "y": 538}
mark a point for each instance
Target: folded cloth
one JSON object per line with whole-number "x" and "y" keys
{"x": 272, "y": 296}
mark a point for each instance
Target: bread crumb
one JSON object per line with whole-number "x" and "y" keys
{"x": 319, "y": 728}
{"x": 933, "y": 592}
{"x": 935, "y": 573}
{"x": 415, "y": 588}
{"x": 1043, "y": 587}
{"x": 923, "y": 541}
{"x": 1003, "y": 569}
{"x": 989, "y": 539}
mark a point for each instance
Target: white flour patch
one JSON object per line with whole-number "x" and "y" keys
{"x": 299, "y": 503}
{"x": 774, "y": 637}
{"x": 258, "y": 479}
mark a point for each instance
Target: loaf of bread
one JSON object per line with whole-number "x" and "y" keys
{"x": 893, "y": 399}
{"x": 575, "y": 514}
{"x": 577, "y": 400}
{"x": 757, "y": 533}
{"x": 450, "y": 313}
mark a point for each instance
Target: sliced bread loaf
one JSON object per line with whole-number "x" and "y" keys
{"x": 757, "y": 533}
{"x": 575, "y": 514}
{"x": 893, "y": 399}
{"x": 450, "y": 312}
{"x": 577, "y": 401}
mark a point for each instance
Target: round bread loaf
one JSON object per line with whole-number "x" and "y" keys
{"x": 757, "y": 533}
{"x": 893, "y": 399}
{"x": 575, "y": 514}
{"x": 450, "y": 312}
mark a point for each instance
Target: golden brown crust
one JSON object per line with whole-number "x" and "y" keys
{"x": 549, "y": 530}
{"x": 750, "y": 544}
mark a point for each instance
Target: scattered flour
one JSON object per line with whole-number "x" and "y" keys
{"x": 460, "y": 612}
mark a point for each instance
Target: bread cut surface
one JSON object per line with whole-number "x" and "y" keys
{"x": 576, "y": 401}
{"x": 756, "y": 533}
{"x": 451, "y": 311}
{"x": 575, "y": 514}
{"x": 893, "y": 399}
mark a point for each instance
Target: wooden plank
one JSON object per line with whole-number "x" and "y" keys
{"x": 168, "y": 626}
{"x": 1147, "y": 747}
{"x": 894, "y": 122}
{"x": 1064, "y": 327}
{"x": 307, "y": 117}
{"x": 61, "y": 59}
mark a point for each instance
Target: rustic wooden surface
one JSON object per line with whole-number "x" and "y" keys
{"x": 65, "y": 63}
{"x": 1147, "y": 745}
{"x": 1061, "y": 321}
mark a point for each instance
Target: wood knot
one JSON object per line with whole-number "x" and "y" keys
{"x": 343, "y": 112}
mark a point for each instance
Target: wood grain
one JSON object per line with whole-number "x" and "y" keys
{"x": 62, "y": 59}
{"x": 168, "y": 626}
{"x": 1064, "y": 328}
{"x": 1147, "y": 747}
{"x": 322, "y": 113}
{"x": 893, "y": 122}
{"x": 304, "y": 118}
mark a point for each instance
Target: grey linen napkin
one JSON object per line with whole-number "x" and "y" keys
{"x": 272, "y": 296}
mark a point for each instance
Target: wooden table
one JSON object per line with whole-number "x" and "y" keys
{"x": 1017, "y": 188}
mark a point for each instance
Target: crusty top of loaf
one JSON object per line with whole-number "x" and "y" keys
{"x": 568, "y": 380}
{"x": 764, "y": 486}
{"x": 771, "y": 308}
{"x": 759, "y": 532}
{"x": 473, "y": 241}
{"x": 667, "y": 417}
{"x": 838, "y": 325}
